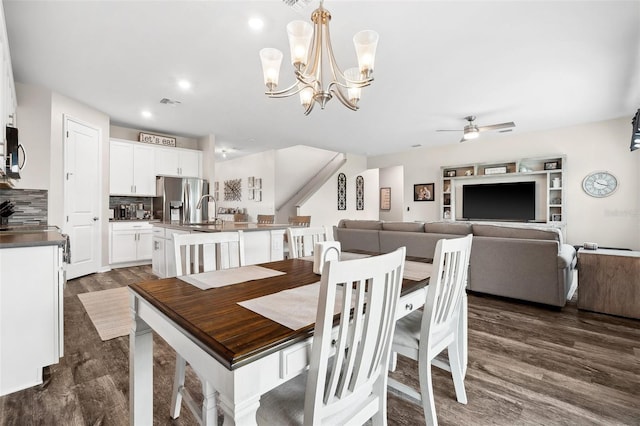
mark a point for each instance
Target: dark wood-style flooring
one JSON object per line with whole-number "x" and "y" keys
{"x": 528, "y": 365}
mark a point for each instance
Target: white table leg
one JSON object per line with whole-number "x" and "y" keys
{"x": 242, "y": 413}
{"x": 140, "y": 370}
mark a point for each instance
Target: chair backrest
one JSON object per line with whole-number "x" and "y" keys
{"x": 349, "y": 375}
{"x": 300, "y": 220}
{"x": 208, "y": 251}
{"x": 446, "y": 287}
{"x": 266, "y": 218}
{"x": 240, "y": 217}
{"x": 302, "y": 240}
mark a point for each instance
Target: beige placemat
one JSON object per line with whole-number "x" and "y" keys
{"x": 417, "y": 271}
{"x": 224, "y": 277}
{"x": 109, "y": 311}
{"x": 294, "y": 308}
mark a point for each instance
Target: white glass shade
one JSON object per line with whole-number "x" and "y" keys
{"x": 300, "y": 35}
{"x": 306, "y": 96}
{"x": 366, "y": 43}
{"x": 352, "y": 75}
{"x": 271, "y": 59}
{"x": 470, "y": 134}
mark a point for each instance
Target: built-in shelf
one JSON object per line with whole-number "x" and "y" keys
{"x": 549, "y": 171}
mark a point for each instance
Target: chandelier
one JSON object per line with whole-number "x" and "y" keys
{"x": 318, "y": 76}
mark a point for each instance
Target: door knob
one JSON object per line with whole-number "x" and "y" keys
{"x": 95, "y": 219}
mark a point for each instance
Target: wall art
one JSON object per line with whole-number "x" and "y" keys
{"x": 342, "y": 191}
{"x": 359, "y": 193}
{"x": 233, "y": 190}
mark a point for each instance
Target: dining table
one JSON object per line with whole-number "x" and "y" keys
{"x": 216, "y": 324}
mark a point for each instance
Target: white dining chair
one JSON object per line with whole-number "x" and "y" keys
{"x": 347, "y": 378}
{"x": 195, "y": 253}
{"x": 423, "y": 335}
{"x": 302, "y": 240}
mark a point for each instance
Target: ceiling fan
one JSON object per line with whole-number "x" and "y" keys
{"x": 471, "y": 131}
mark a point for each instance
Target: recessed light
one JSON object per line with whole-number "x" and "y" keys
{"x": 184, "y": 84}
{"x": 256, "y": 24}
{"x": 146, "y": 114}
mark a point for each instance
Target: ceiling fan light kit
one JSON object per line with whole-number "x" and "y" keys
{"x": 318, "y": 76}
{"x": 471, "y": 131}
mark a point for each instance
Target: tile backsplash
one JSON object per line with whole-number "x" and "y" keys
{"x": 30, "y": 205}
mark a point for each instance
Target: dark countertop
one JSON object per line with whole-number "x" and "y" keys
{"x": 26, "y": 238}
{"x": 226, "y": 226}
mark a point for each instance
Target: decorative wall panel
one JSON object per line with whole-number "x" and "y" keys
{"x": 342, "y": 191}
{"x": 359, "y": 193}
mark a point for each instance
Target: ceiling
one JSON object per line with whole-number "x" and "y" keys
{"x": 541, "y": 64}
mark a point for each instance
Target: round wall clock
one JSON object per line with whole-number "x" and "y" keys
{"x": 600, "y": 184}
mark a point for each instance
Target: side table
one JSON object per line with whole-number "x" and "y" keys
{"x": 609, "y": 282}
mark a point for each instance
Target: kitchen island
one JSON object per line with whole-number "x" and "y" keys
{"x": 31, "y": 305}
{"x": 262, "y": 242}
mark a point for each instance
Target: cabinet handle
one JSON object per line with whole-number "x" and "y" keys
{"x": 409, "y": 306}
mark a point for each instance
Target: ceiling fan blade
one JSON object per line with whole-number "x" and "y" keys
{"x": 449, "y": 130}
{"x": 497, "y": 126}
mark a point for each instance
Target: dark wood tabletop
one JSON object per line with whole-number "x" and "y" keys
{"x": 231, "y": 333}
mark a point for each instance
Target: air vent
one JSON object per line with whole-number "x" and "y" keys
{"x": 297, "y": 4}
{"x": 168, "y": 101}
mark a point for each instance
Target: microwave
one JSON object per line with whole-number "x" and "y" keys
{"x": 12, "y": 158}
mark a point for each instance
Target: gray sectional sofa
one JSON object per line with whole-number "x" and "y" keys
{"x": 526, "y": 263}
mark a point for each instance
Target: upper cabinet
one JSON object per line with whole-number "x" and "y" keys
{"x": 8, "y": 103}
{"x": 134, "y": 166}
{"x": 178, "y": 162}
{"x": 132, "y": 169}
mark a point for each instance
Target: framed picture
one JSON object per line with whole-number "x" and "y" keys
{"x": 423, "y": 192}
{"x": 450, "y": 173}
{"x": 250, "y": 183}
{"x": 258, "y": 183}
{"x": 385, "y": 198}
{"x": 250, "y": 194}
{"x": 551, "y": 165}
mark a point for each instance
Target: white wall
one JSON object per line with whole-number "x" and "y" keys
{"x": 34, "y": 126}
{"x": 613, "y": 221}
{"x": 207, "y": 144}
{"x": 261, "y": 165}
{"x": 295, "y": 166}
{"x": 323, "y": 205}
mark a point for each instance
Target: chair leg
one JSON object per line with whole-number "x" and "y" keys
{"x": 457, "y": 371}
{"x": 178, "y": 384}
{"x": 426, "y": 391}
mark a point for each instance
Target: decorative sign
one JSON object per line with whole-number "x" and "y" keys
{"x": 359, "y": 193}
{"x": 157, "y": 139}
{"x": 385, "y": 198}
{"x": 342, "y": 191}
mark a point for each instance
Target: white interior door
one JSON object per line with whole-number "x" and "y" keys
{"x": 82, "y": 197}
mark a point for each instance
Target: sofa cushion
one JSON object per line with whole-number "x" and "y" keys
{"x": 403, "y": 226}
{"x": 448, "y": 228}
{"x": 515, "y": 232}
{"x": 360, "y": 224}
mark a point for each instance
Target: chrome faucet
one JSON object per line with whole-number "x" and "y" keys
{"x": 215, "y": 213}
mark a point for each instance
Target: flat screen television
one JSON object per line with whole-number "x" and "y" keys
{"x": 513, "y": 201}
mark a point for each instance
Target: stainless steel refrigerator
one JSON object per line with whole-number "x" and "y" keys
{"x": 177, "y": 199}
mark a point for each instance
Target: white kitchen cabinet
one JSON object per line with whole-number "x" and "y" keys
{"x": 178, "y": 162}
{"x": 131, "y": 168}
{"x": 163, "y": 261}
{"x": 130, "y": 242}
{"x": 31, "y": 314}
{"x": 8, "y": 104}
